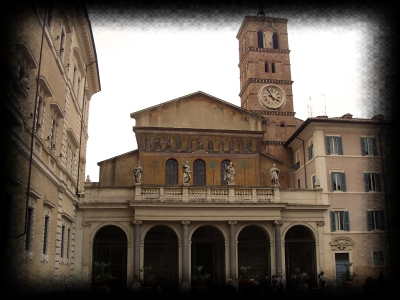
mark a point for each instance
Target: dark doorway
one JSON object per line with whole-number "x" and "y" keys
{"x": 253, "y": 253}
{"x": 161, "y": 253}
{"x": 208, "y": 250}
{"x": 300, "y": 253}
{"x": 340, "y": 260}
{"x": 110, "y": 246}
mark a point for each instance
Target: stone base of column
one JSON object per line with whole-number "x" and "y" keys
{"x": 186, "y": 287}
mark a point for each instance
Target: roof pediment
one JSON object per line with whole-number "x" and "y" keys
{"x": 198, "y": 111}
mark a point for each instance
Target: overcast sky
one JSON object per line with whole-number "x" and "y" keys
{"x": 150, "y": 56}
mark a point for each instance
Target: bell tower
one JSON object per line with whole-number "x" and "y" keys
{"x": 265, "y": 78}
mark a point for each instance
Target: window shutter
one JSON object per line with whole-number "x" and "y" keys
{"x": 309, "y": 152}
{"x": 313, "y": 181}
{"x": 333, "y": 222}
{"x": 366, "y": 182}
{"x": 346, "y": 221}
{"x": 363, "y": 146}
{"x": 343, "y": 182}
{"x": 328, "y": 145}
{"x": 340, "y": 146}
{"x": 332, "y": 183}
{"x": 374, "y": 148}
{"x": 369, "y": 221}
{"x": 381, "y": 220}
{"x": 378, "y": 182}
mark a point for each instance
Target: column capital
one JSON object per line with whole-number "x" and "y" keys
{"x": 137, "y": 222}
{"x": 320, "y": 223}
{"x": 278, "y": 222}
{"x": 185, "y": 222}
{"x": 232, "y": 222}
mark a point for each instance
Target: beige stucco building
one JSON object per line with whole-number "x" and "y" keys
{"x": 49, "y": 74}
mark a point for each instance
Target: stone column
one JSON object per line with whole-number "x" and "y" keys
{"x": 87, "y": 251}
{"x": 278, "y": 246}
{"x": 232, "y": 249}
{"x": 136, "y": 250}
{"x": 185, "y": 285}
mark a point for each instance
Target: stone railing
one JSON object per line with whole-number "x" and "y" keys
{"x": 200, "y": 194}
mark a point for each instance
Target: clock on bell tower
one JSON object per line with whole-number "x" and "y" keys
{"x": 265, "y": 76}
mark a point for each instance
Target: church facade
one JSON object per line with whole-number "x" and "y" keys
{"x": 241, "y": 191}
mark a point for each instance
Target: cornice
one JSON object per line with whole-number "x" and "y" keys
{"x": 260, "y": 80}
{"x": 251, "y": 48}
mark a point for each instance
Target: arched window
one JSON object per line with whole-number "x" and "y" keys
{"x": 273, "y": 68}
{"x": 266, "y": 67}
{"x": 224, "y": 163}
{"x": 199, "y": 172}
{"x": 260, "y": 39}
{"x": 275, "y": 40}
{"x": 171, "y": 172}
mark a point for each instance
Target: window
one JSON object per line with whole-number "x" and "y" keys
{"x": 313, "y": 181}
{"x": 297, "y": 160}
{"x": 62, "y": 241}
{"x": 273, "y": 68}
{"x": 298, "y": 183}
{"x": 375, "y": 220}
{"x": 340, "y": 220}
{"x": 275, "y": 40}
{"x": 372, "y": 182}
{"x": 334, "y": 145}
{"x": 260, "y": 37}
{"x": 171, "y": 172}
{"x": 199, "y": 172}
{"x": 368, "y": 146}
{"x": 29, "y": 228}
{"x": 310, "y": 150}
{"x": 68, "y": 241}
{"x": 266, "y": 67}
{"x": 224, "y": 163}
{"x": 46, "y": 235}
{"x": 338, "y": 181}
{"x": 378, "y": 259}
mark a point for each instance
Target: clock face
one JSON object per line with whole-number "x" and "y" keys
{"x": 271, "y": 96}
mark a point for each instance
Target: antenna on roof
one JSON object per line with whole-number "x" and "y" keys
{"x": 309, "y": 107}
{"x": 324, "y": 104}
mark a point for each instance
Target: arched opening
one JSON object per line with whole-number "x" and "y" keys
{"x": 208, "y": 250}
{"x": 300, "y": 253}
{"x": 161, "y": 253}
{"x": 110, "y": 246}
{"x": 171, "y": 172}
{"x": 253, "y": 253}
{"x": 275, "y": 40}
{"x": 260, "y": 38}
{"x": 199, "y": 172}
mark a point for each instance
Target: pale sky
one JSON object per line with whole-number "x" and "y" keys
{"x": 149, "y": 57}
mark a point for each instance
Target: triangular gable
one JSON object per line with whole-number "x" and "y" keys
{"x": 198, "y": 111}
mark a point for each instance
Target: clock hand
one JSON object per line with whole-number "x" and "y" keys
{"x": 271, "y": 95}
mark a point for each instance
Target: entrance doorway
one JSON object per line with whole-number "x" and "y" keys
{"x": 300, "y": 253}
{"x": 208, "y": 250}
{"x": 110, "y": 246}
{"x": 340, "y": 260}
{"x": 161, "y": 253}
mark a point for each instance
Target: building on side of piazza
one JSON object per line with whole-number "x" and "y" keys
{"x": 48, "y": 53}
{"x": 331, "y": 204}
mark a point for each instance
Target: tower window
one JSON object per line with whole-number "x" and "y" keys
{"x": 266, "y": 67}
{"x": 260, "y": 37}
{"x": 275, "y": 40}
{"x": 273, "y": 68}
